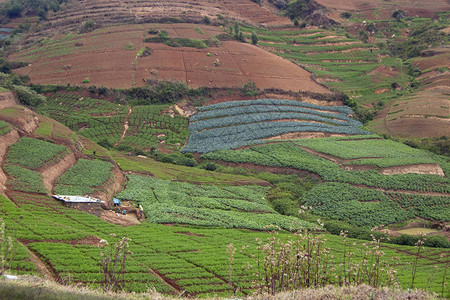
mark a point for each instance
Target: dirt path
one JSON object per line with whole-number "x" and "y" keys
{"x": 125, "y": 126}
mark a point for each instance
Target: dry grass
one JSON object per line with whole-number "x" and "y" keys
{"x": 30, "y": 287}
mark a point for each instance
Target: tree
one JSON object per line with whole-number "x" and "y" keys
{"x": 254, "y": 38}
{"x": 364, "y": 36}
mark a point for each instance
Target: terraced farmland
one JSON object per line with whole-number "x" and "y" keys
{"x": 99, "y": 120}
{"x": 25, "y": 157}
{"x": 338, "y": 61}
{"x": 171, "y": 259}
{"x": 361, "y": 190}
{"x": 83, "y": 177}
{"x": 166, "y": 201}
{"x": 369, "y": 151}
{"x": 101, "y": 58}
{"x": 233, "y": 124}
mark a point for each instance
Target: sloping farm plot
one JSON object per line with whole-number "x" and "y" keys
{"x": 233, "y": 124}
{"x": 390, "y": 156}
{"x": 26, "y": 158}
{"x": 109, "y": 58}
{"x": 170, "y": 259}
{"x": 385, "y": 8}
{"x": 362, "y": 197}
{"x": 100, "y": 120}
{"x": 192, "y": 11}
{"x": 426, "y": 113}
{"x": 166, "y": 201}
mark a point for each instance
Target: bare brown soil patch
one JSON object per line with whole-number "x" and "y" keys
{"x": 430, "y": 169}
{"x": 54, "y": 171}
{"x": 303, "y": 135}
{"x": 117, "y": 11}
{"x": 119, "y": 219}
{"x": 7, "y": 99}
{"x": 22, "y": 118}
{"x": 185, "y": 109}
{"x": 125, "y": 126}
{"x": 104, "y": 61}
{"x": 111, "y": 186}
{"x": 384, "y": 8}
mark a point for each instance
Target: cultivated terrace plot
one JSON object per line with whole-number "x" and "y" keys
{"x": 25, "y": 157}
{"x": 233, "y": 124}
{"x": 170, "y": 259}
{"x": 167, "y": 201}
{"x": 366, "y": 150}
{"x": 4, "y": 128}
{"x": 364, "y": 197}
{"x": 111, "y": 57}
{"x": 340, "y": 62}
{"x": 83, "y": 177}
{"x": 193, "y": 11}
{"x": 99, "y": 120}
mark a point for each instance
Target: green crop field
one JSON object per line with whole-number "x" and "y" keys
{"x": 33, "y": 154}
{"x": 378, "y": 152}
{"x": 83, "y": 177}
{"x": 4, "y": 128}
{"x": 193, "y": 258}
{"x": 165, "y": 201}
{"x": 349, "y": 195}
{"x": 343, "y": 63}
{"x": 25, "y": 180}
{"x": 233, "y": 124}
{"x": 101, "y": 121}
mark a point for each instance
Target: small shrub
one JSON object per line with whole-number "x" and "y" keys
{"x": 129, "y": 46}
{"x": 346, "y": 15}
{"x": 249, "y": 89}
{"x": 206, "y": 20}
{"x": 254, "y": 38}
{"x": 153, "y": 31}
{"x": 85, "y": 80}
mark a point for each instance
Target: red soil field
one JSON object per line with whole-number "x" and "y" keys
{"x": 131, "y": 11}
{"x": 102, "y": 58}
{"x": 385, "y": 8}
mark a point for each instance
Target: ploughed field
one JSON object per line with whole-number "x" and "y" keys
{"x": 110, "y": 57}
{"x": 130, "y": 11}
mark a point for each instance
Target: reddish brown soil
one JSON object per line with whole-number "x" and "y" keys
{"x": 384, "y": 8}
{"x": 7, "y": 99}
{"x": 129, "y": 219}
{"x": 23, "y": 119}
{"x": 304, "y": 135}
{"x": 107, "y": 12}
{"x": 104, "y": 60}
{"x": 424, "y": 113}
{"x": 111, "y": 186}
{"x": 54, "y": 171}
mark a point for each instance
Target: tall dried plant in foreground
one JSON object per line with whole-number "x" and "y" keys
{"x": 303, "y": 261}
{"x": 113, "y": 263}
{"x": 7, "y": 249}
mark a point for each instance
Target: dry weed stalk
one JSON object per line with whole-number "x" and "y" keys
{"x": 113, "y": 262}
{"x": 7, "y": 249}
{"x": 303, "y": 262}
